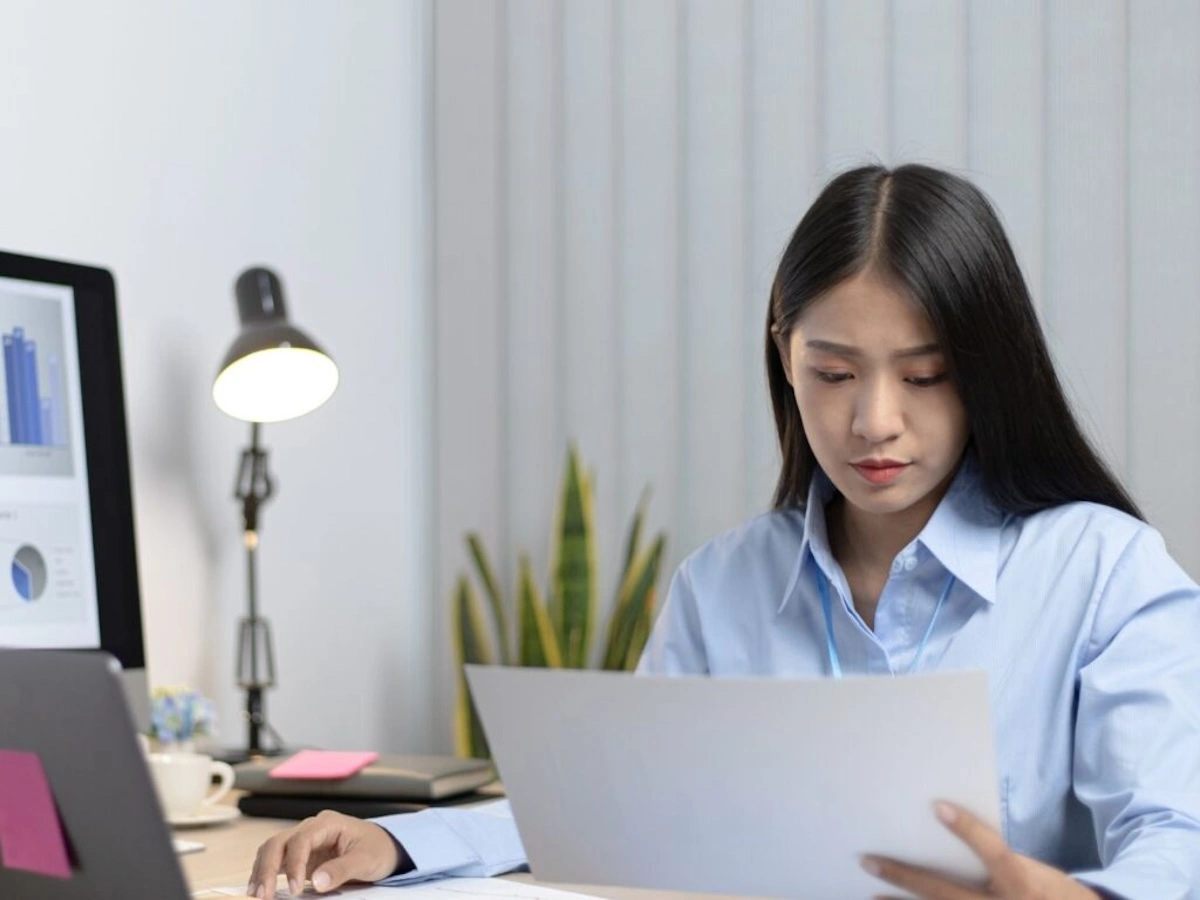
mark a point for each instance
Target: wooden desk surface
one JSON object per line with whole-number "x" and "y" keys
{"x": 228, "y": 851}
{"x": 230, "y": 848}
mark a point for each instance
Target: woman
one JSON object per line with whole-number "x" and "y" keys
{"x": 938, "y": 508}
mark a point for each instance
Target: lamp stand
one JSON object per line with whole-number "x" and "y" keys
{"x": 255, "y": 654}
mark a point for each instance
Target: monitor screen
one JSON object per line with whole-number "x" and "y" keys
{"x": 68, "y": 575}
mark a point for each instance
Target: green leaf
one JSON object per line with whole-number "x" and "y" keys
{"x": 491, "y": 586}
{"x": 472, "y": 647}
{"x": 539, "y": 645}
{"x": 641, "y": 631}
{"x": 633, "y": 539}
{"x": 634, "y": 606}
{"x": 573, "y": 566}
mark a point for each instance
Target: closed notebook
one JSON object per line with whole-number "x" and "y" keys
{"x": 391, "y": 777}
{"x": 274, "y": 806}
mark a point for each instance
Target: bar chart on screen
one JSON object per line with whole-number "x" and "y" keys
{"x": 35, "y": 403}
{"x": 33, "y": 393}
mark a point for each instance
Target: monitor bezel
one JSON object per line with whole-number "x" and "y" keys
{"x": 110, "y": 485}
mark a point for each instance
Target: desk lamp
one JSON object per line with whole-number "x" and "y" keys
{"x": 272, "y": 372}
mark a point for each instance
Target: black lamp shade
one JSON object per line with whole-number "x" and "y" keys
{"x": 273, "y": 371}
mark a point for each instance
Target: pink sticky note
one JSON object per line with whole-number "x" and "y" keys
{"x": 323, "y": 764}
{"x": 31, "y": 836}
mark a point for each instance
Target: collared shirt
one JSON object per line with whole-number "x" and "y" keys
{"x": 1088, "y": 631}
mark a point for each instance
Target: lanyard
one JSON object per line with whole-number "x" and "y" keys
{"x": 835, "y": 664}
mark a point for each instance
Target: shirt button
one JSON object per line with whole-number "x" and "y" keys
{"x": 897, "y": 566}
{"x": 910, "y": 563}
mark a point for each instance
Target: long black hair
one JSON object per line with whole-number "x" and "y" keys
{"x": 936, "y": 237}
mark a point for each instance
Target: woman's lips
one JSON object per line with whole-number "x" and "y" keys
{"x": 875, "y": 473}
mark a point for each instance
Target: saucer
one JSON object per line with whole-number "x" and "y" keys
{"x": 206, "y": 815}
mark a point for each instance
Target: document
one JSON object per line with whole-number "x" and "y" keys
{"x": 769, "y": 787}
{"x": 440, "y": 889}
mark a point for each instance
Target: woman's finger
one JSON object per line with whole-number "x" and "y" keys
{"x": 266, "y": 864}
{"x": 986, "y": 841}
{"x": 297, "y": 850}
{"x": 922, "y": 882}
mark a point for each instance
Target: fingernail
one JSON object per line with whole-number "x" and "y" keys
{"x": 261, "y": 892}
{"x": 250, "y": 889}
{"x": 293, "y": 886}
{"x": 945, "y": 812}
{"x": 320, "y": 880}
{"x": 870, "y": 864}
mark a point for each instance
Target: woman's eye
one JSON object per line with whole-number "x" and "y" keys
{"x": 926, "y": 380}
{"x": 832, "y": 377}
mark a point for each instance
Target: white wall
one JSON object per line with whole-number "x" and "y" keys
{"x": 616, "y": 181}
{"x": 178, "y": 143}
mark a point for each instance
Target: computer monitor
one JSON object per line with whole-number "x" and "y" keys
{"x": 68, "y": 566}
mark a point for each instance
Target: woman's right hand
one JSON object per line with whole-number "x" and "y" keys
{"x": 331, "y": 849}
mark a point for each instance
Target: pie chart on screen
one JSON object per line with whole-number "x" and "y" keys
{"x": 29, "y": 572}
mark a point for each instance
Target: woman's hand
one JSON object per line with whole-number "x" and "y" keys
{"x": 1010, "y": 875}
{"x": 330, "y": 848}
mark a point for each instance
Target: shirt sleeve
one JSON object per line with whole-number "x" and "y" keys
{"x": 471, "y": 843}
{"x": 1137, "y": 734}
{"x": 676, "y": 643}
{"x": 483, "y": 841}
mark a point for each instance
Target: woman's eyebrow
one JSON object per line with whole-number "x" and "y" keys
{"x": 847, "y": 350}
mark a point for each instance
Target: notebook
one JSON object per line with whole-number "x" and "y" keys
{"x": 276, "y": 806}
{"x": 391, "y": 777}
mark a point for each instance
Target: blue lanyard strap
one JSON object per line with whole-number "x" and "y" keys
{"x": 835, "y": 663}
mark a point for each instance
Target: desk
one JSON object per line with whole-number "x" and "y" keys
{"x": 229, "y": 853}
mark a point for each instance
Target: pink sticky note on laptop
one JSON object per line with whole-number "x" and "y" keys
{"x": 31, "y": 836}
{"x": 323, "y": 764}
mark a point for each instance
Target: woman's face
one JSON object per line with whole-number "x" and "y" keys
{"x": 883, "y": 419}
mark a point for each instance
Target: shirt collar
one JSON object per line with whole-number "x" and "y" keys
{"x": 963, "y": 533}
{"x": 816, "y": 537}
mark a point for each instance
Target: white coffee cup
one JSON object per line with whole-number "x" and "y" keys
{"x": 184, "y": 782}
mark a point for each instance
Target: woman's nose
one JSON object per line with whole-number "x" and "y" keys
{"x": 878, "y": 414}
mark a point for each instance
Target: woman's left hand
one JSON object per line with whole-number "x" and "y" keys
{"x": 1010, "y": 875}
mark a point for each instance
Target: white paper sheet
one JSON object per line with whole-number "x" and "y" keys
{"x": 770, "y": 787}
{"x": 440, "y": 889}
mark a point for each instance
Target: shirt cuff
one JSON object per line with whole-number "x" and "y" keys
{"x": 432, "y": 845}
{"x": 1114, "y": 884}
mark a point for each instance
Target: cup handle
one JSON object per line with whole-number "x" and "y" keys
{"x": 225, "y": 772}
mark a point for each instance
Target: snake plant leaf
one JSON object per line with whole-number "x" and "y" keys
{"x": 573, "y": 566}
{"x": 472, "y": 647}
{"x": 629, "y": 624}
{"x": 491, "y": 586}
{"x": 641, "y": 631}
{"x": 633, "y": 539}
{"x": 539, "y": 644}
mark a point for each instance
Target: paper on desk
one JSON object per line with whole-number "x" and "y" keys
{"x": 768, "y": 787}
{"x": 439, "y": 889}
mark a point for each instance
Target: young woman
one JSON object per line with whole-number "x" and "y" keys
{"x": 938, "y": 508}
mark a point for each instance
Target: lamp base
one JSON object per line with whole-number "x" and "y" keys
{"x": 235, "y": 755}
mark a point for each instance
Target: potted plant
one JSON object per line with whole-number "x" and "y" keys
{"x": 554, "y": 627}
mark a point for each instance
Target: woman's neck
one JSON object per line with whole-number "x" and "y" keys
{"x": 870, "y": 542}
{"x": 867, "y": 542}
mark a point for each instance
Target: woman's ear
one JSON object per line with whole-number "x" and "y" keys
{"x": 783, "y": 346}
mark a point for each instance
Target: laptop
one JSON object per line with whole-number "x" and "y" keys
{"x": 766, "y": 787}
{"x": 69, "y": 708}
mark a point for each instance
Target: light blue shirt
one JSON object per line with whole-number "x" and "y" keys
{"x": 1088, "y": 630}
